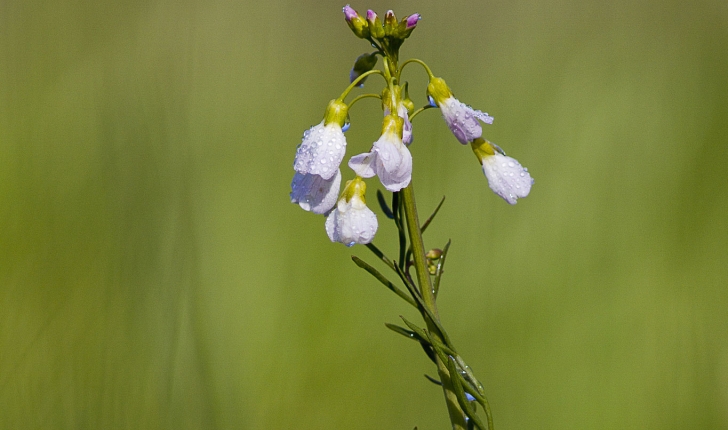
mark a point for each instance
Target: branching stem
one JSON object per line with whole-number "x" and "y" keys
{"x": 457, "y": 416}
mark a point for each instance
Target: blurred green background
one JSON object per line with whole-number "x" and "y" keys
{"x": 153, "y": 273}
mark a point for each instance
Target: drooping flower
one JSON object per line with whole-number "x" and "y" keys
{"x": 363, "y": 64}
{"x": 314, "y": 193}
{"x": 463, "y": 120}
{"x": 389, "y": 158}
{"x": 351, "y": 221}
{"x": 506, "y": 176}
{"x": 323, "y": 145}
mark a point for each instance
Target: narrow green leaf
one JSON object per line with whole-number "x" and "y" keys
{"x": 429, "y": 351}
{"x": 380, "y": 255}
{"x": 460, "y": 394}
{"x": 440, "y": 268}
{"x": 403, "y": 331}
{"x": 433, "y": 380}
{"x": 429, "y": 220}
{"x": 383, "y": 204}
{"x": 374, "y": 272}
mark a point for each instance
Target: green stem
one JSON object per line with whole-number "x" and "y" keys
{"x": 457, "y": 416}
{"x": 421, "y": 63}
{"x": 357, "y": 81}
{"x": 363, "y": 96}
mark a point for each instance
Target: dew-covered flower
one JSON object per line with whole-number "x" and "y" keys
{"x": 389, "y": 158}
{"x": 351, "y": 221}
{"x": 463, "y": 121}
{"x": 506, "y": 176}
{"x": 323, "y": 145}
{"x": 314, "y": 193}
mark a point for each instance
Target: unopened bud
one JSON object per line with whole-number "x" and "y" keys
{"x": 363, "y": 64}
{"x": 408, "y": 25}
{"x": 357, "y": 24}
{"x": 375, "y": 25}
{"x": 390, "y": 23}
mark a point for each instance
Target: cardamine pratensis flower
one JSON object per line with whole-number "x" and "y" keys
{"x": 314, "y": 193}
{"x": 506, "y": 176}
{"x": 462, "y": 120}
{"x": 351, "y": 221}
{"x": 389, "y": 158}
{"x": 316, "y": 182}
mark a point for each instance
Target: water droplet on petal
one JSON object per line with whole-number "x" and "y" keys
{"x": 346, "y": 126}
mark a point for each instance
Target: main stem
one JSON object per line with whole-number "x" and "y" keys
{"x": 457, "y": 417}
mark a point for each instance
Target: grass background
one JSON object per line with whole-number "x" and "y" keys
{"x": 154, "y": 275}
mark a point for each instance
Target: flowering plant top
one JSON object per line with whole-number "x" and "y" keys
{"x": 317, "y": 182}
{"x": 318, "y": 158}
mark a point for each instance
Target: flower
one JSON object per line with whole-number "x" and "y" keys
{"x": 462, "y": 120}
{"x": 352, "y": 221}
{"x": 506, "y": 176}
{"x": 314, "y": 193}
{"x": 389, "y": 158}
{"x": 323, "y": 145}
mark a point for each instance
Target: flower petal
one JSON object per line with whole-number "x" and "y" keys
{"x": 321, "y": 150}
{"x": 393, "y": 163}
{"x": 461, "y": 120}
{"x": 351, "y": 223}
{"x": 506, "y": 177}
{"x": 363, "y": 164}
{"x": 314, "y": 193}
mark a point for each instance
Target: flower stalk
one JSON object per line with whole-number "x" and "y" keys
{"x": 424, "y": 281}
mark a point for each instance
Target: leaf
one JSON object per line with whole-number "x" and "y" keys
{"x": 374, "y": 272}
{"x": 460, "y": 394}
{"x": 403, "y": 331}
{"x": 440, "y": 268}
{"x": 380, "y": 255}
{"x": 429, "y": 220}
{"x": 383, "y": 204}
{"x": 433, "y": 380}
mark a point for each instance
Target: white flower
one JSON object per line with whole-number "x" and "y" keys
{"x": 323, "y": 145}
{"x": 506, "y": 176}
{"x": 314, "y": 193}
{"x": 351, "y": 221}
{"x": 321, "y": 150}
{"x": 389, "y": 158}
{"x": 463, "y": 121}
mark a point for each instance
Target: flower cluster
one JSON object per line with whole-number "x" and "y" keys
{"x": 506, "y": 177}
{"x": 317, "y": 179}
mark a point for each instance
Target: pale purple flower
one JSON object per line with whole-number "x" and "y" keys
{"x": 389, "y": 158}
{"x": 351, "y": 221}
{"x": 506, "y": 177}
{"x": 463, "y": 121}
{"x": 314, "y": 193}
{"x": 321, "y": 150}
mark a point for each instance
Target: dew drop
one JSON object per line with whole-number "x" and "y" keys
{"x": 510, "y": 164}
{"x": 346, "y": 126}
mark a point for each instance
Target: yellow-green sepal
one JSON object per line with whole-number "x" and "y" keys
{"x": 438, "y": 90}
{"x": 336, "y": 112}
{"x": 355, "y": 187}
